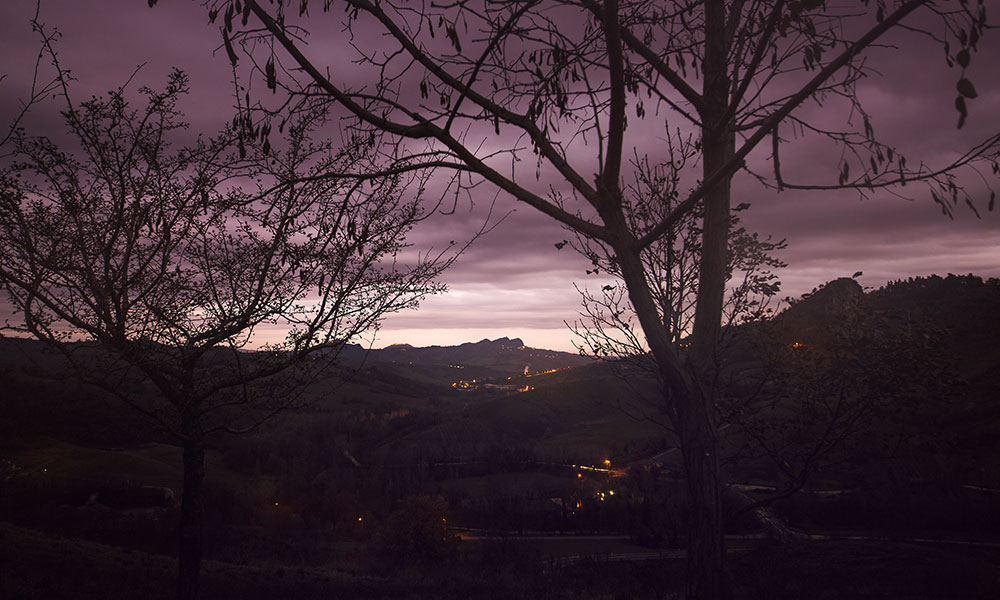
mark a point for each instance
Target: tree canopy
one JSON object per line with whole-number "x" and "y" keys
{"x": 550, "y": 102}
{"x": 155, "y": 264}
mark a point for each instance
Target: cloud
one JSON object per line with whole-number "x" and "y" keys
{"x": 513, "y": 281}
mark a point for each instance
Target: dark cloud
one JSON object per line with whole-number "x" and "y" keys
{"x": 513, "y": 281}
{"x": 103, "y": 43}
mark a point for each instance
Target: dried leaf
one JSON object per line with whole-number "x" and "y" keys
{"x": 966, "y": 88}
{"x": 963, "y": 57}
{"x": 272, "y": 80}
{"x": 229, "y": 47}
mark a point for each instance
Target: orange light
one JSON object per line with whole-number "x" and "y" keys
{"x": 579, "y": 475}
{"x": 607, "y": 462}
{"x": 275, "y": 503}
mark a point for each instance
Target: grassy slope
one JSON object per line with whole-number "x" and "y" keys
{"x": 569, "y": 413}
{"x": 36, "y": 566}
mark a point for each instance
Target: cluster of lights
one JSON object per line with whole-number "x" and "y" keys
{"x": 605, "y": 469}
{"x": 474, "y": 385}
{"x": 599, "y": 495}
{"x": 541, "y": 373}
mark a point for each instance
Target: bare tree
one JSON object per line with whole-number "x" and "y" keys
{"x": 608, "y": 326}
{"x": 475, "y": 86}
{"x": 672, "y": 264}
{"x": 152, "y": 264}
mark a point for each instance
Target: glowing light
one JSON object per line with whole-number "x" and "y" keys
{"x": 579, "y": 475}
{"x": 275, "y": 503}
{"x": 359, "y": 519}
{"x": 797, "y": 345}
{"x": 541, "y": 373}
{"x": 587, "y": 468}
{"x": 607, "y": 462}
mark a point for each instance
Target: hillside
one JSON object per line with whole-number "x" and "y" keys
{"x": 511, "y": 438}
{"x": 501, "y": 357}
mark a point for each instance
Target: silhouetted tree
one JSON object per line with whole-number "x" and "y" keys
{"x": 149, "y": 263}
{"x": 415, "y": 533}
{"x": 672, "y": 265}
{"x": 475, "y": 85}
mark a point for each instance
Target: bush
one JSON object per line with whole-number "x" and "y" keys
{"x": 416, "y": 533}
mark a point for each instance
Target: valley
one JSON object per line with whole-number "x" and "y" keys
{"x": 451, "y": 458}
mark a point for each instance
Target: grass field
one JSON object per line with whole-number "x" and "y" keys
{"x": 39, "y": 566}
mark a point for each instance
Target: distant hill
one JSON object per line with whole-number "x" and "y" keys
{"x": 826, "y": 303}
{"x": 962, "y": 310}
{"x": 928, "y": 343}
{"x": 569, "y": 401}
{"x": 506, "y": 355}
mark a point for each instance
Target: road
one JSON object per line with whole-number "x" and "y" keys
{"x": 562, "y": 550}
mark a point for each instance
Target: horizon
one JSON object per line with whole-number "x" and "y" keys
{"x": 555, "y": 339}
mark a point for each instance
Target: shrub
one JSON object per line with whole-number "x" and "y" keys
{"x": 416, "y": 533}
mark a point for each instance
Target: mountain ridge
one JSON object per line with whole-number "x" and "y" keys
{"x": 504, "y": 352}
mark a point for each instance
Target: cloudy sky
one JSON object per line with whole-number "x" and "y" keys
{"x": 514, "y": 282}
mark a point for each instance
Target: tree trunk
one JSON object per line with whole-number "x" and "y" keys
{"x": 706, "y": 552}
{"x": 691, "y": 412}
{"x": 190, "y": 533}
{"x": 696, "y": 421}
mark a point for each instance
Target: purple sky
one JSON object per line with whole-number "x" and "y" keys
{"x": 514, "y": 282}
